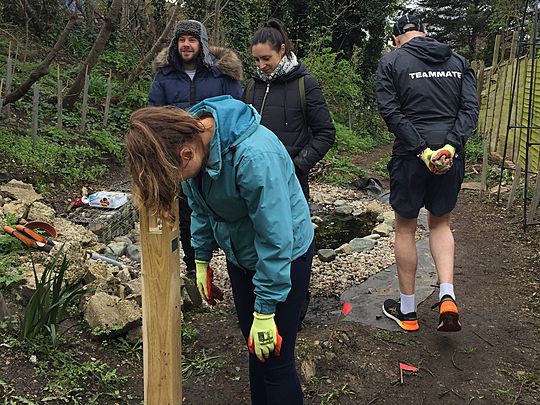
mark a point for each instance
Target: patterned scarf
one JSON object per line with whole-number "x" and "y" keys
{"x": 285, "y": 65}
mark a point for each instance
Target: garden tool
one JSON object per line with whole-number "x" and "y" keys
{"x": 30, "y": 238}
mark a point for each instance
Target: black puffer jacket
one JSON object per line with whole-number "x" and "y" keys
{"x": 282, "y": 113}
{"x": 427, "y": 96}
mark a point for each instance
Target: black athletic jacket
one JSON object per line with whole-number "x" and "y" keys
{"x": 427, "y": 95}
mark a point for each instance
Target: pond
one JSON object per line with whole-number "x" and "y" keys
{"x": 336, "y": 230}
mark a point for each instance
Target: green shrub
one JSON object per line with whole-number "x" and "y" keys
{"x": 474, "y": 148}
{"x": 49, "y": 305}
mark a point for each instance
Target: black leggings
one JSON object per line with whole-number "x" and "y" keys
{"x": 275, "y": 381}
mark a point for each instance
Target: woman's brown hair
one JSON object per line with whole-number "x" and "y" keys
{"x": 153, "y": 143}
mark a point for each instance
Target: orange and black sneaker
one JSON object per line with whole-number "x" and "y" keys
{"x": 408, "y": 322}
{"x": 448, "y": 315}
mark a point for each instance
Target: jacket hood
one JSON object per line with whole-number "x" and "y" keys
{"x": 234, "y": 121}
{"x": 428, "y": 49}
{"x": 224, "y": 59}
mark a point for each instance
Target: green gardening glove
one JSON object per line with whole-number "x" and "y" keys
{"x": 425, "y": 157}
{"x": 442, "y": 158}
{"x": 264, "y": 337}
{"x": 208, "y": 290}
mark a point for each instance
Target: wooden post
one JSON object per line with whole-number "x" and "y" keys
{"x": 58, "y": 98}
{"x": 85, "y": 101}
{"x": 35, "y": 113}
{"x": 515, "y": 185}
{"x": 9, "y": 79}
{"x": 492, "y": 71}
{"x": 108, "y": 99}
{"x": 483, "y": 183}
{"x": 535, "y": 200}
{"x": 480, "y": 80}
{"x": 161, "y": 306}
{"x": 1, "y": 99}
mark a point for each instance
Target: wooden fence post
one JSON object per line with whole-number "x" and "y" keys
{"x": 161, "y": 306}
{"x": 9, "y": 80}
{"x": 35, "y": 113}
{"x": 58, "y": 98}
{"x": 515, "y": 185}
{"x": 107, "y": 100}
{"x": 85, "y": 100}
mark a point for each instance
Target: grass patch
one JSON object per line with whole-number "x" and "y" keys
{"x": 201, "y": 364}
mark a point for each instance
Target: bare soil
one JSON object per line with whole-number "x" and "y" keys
{"x": 493, "y": 360}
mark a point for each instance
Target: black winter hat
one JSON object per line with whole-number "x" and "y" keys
{"x": 195, "y": 29}
{"x": 405, "y": 23}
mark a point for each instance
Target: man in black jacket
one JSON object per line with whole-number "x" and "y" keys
{"x": 427, "y": 95}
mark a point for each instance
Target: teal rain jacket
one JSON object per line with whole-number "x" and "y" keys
{"x": 248, "y": 201}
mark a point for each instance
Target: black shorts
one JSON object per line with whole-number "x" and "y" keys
{"x": 413, "y": 186}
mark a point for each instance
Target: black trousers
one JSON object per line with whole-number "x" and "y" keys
{"x": 275, "y": 381}
{"x": 185, "y": 234}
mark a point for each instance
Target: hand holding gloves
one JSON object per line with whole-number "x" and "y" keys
{"x": 264, "y": 337}
{"x": 208, "y": 290}
{"x": 440, "y": 160}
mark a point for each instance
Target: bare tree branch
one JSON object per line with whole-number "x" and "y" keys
{"x": 43, "y": 67}
{"x": 134, "y": 75}
{"x": 92, "y": 57}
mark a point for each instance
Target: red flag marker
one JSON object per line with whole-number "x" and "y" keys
{"x": 406, "y": 367}
{"x": 346, "y": 308}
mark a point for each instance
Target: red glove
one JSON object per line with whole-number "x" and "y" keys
{"x": 208, "y": 290}
{"x": 443, "y": 158}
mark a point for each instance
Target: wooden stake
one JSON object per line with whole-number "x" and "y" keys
{"x": 515, "y": 185}
{"x": 35, "y": 113}
{"x": 107, "y": 100}
{"x": 58, "y": 98}
{"x": 85, "y": 101}
{"x": 161, "y": 303}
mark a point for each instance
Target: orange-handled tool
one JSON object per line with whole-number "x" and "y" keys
{"x": 24, "y": 239}
{"x": 28, "y": 239}
{"x": 34, "y": 235}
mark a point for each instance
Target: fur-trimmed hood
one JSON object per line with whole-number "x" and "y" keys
{"x": 224, "y": 59}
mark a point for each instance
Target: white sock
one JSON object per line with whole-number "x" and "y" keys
{"x": 446, "y": 289}
{"x": 407, "y": 303}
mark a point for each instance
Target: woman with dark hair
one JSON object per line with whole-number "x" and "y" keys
{"x": 246, "y": 199}
{"x": 291, "y": 104}
{"x": 289, "y": 100}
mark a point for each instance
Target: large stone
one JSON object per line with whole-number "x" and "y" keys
{"x": 68, "y": 231}
{"x": 375, "y": 207}
{"x": 110, "y": 316}
{"x": 317, "y": 220}
{"x": 389, "y": 217}
{"x": 326, "y": 255}
{"x": 134, "y": 287}
{"x": 360, "y": 245}
{"x": 40, "y": 212}
{"x": 133, "y": 252}
{"x": 16, "y": 209}
{"x": 383, "y": 229}
{"x": 343, "y": 210}
{"x": 99, "y": 273}
{"x": 373, "y": 236}
{"x": 345, "y": 248}
{"x": 116, "y": 249}
{"x": 20, "y": 191}
{"x": 339, "y": 203}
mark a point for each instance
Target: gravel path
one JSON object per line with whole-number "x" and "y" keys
{"x": 330, "y": 279}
